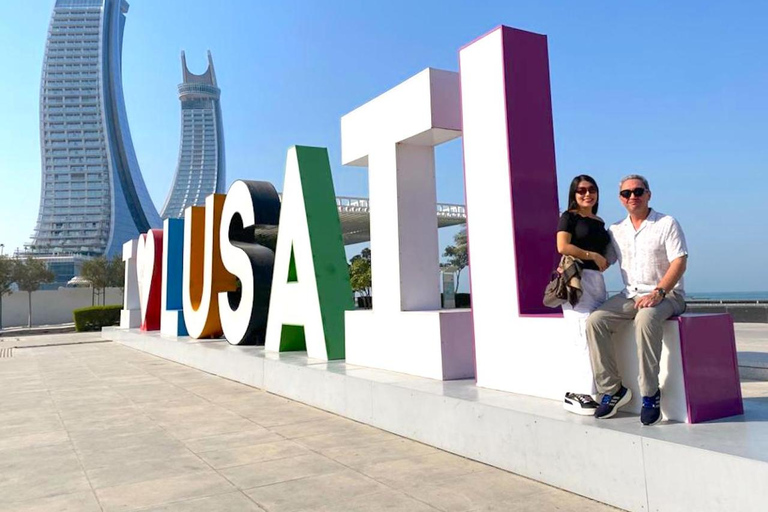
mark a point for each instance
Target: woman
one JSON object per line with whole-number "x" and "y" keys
{"x": 582, "y": 234}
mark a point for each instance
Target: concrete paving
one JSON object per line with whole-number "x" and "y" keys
{"x": 36, "y": 330}
{"x": 41, "y": 340}
{"x": 752, "y": 346}
{"x": 98, "y": 426}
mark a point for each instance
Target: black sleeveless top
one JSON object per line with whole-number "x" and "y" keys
{"x": 586, "y": 233}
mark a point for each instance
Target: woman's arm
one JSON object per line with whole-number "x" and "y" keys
{"x": 565, "y": 247}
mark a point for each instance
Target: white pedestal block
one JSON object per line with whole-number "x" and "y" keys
{"x": 130, "y": 318}
{"x": 433, "y": 344}
{"x": 671, "y": 376}
{"x": 535, "y": 361}
{"x": 172, "y": 323}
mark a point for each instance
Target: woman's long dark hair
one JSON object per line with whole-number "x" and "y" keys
{"x": 572, "y": 204}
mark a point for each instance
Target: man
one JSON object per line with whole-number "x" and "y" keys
{"x": 652, "y": 255}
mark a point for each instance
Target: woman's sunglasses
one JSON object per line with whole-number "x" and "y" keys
{"x": 582, "y": 191}
{"x": 637, "y": 192}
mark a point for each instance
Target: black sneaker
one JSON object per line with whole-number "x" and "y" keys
{"x": 611, "y": 403}
{"x": 650, "y": 414}
{"x": 579, "y": 404}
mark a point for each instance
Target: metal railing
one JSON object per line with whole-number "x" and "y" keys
{"x": 361, "y": 205}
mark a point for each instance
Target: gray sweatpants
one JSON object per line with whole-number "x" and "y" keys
{"x": 604, "y": 322}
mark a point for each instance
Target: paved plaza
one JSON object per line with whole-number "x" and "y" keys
{"x": 99, "y": 426}
{"x": 752, "y": 344}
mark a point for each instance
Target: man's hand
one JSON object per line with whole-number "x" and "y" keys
{"x": 648, "y": 301}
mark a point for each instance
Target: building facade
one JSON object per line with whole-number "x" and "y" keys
{"x": 93, "y": 197}
{"x": 201, "y": 169}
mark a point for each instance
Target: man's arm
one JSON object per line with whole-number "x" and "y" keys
{"x": 611, "y": 251}
{"x": 674, "y": 273}
{"x": 671, "y": 277}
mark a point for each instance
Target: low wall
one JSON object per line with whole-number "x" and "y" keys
{"x": 742, "y": 312}
{"x": 50, "y": 307}
{"x": 753, "y": 311}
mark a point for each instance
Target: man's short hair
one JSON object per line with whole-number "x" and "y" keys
{"x": 635, "y": 177}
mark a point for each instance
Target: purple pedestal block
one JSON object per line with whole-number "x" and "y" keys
{"x": 710, "y": 367}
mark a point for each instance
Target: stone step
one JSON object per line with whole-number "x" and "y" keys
{"x": 718, "y": 465}
{"x": 753, "y": 370}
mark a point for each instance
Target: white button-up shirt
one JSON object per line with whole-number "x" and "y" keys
{"x": 645, "y": 254}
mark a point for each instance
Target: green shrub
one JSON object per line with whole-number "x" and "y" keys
{"x": 95, "y": 317}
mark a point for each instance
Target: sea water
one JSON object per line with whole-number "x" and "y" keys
{"x": 727, "y": 295}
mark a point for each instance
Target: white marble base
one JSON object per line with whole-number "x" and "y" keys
{"x": 433, "y": 344}
{"x": 172, "y": 323}
{"x": 720, "y": 465}
{"x": 130, "y": 318}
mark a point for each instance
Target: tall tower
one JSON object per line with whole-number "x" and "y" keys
{"x": 93, "y": 197}
{"x": 201, "y": 169}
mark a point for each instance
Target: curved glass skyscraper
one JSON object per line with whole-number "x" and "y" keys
{"x": 201, "y": 168}
{"x": 93, "y": 197}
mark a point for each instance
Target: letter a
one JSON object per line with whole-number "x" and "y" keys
{"x": 310, "y": 286}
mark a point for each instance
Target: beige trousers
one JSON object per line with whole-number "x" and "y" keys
{"x": 648, "y": 325}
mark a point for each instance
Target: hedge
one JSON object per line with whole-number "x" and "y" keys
{"x": 95, "y": 317}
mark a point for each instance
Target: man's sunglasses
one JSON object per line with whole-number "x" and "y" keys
{"x": 582, "y": 191}
{"x": 637, "y": 192}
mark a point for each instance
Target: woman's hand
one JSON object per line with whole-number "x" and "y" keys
{"x": 600, "y": 261}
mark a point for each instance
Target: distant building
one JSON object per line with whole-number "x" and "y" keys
{"x": 93, "y": 197}
{"x": 64, "y": 269}
{"x": 201, "y": 170}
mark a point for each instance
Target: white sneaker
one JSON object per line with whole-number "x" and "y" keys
{"x": 583, "y": 405}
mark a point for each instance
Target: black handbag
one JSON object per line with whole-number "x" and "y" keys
{"x": 556, "y": 292}
{"x": 562, "y": 286}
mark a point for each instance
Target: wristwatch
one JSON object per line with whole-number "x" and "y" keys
{"x": 661, "y": 292}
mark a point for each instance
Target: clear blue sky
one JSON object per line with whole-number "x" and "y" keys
{"x": 677, "y": 91}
